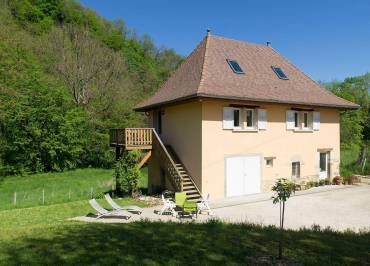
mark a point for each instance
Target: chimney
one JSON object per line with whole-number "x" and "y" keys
{"x": 208, "y": 32}
{"x": 268, "y": 44}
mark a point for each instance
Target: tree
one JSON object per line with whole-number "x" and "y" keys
{"x": 88, "y": 68}
{"x": 283, "y": 190}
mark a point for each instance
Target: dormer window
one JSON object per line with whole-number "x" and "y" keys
{"x": 279, "y": 72}
{"x": 235, "y": 66}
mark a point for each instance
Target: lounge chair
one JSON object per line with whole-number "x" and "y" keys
{"x": 187, "y": 207}
{"x": 116, "y": 207}
{"x": 168, "y": 206}
{"x": 103, "y": 212}
{"x": 203, "y": 205}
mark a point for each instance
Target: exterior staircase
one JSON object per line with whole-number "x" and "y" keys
{"x": 148, "y": 139}
{"x": 188, "y": 184}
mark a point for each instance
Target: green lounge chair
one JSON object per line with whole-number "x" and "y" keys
{"x": 186, "y": 206}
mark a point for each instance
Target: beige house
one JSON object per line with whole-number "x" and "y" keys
{"x": 233, "y": 118}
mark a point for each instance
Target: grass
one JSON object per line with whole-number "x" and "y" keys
{"x": 58, "y": 187}
{"x": 42, "y": 236}
{"x": 348, "y": 164}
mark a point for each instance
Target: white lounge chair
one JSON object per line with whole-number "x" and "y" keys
{"x": 115, "y": 206}
{"x": 168, "y": 206}
{"x": 103, "y": 212}
{"x": 203, "y": 205}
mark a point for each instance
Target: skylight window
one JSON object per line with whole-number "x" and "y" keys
{"x": 235, "y": 66}
{"x": 279, "y": 72}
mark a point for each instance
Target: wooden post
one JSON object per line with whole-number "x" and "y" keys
{"x": 118, "y": 153}
{"x": 69, "y": 194}
{"x": 15, "y": 199}
{"x": 43, "y": 196}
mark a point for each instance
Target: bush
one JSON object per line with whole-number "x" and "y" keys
{"x": 127, "y": 173}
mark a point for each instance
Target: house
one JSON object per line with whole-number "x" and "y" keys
{"x": 233, "y": 118}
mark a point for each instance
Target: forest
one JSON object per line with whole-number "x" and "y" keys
{"x": 67, "y": 75}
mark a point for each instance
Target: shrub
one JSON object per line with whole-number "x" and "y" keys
{"x": 127, "y": 173}
{"x": 321, "y": 182}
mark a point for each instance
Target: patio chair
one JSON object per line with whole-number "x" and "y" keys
{"x": 186, "y": 206}
{"x": 203, "y": 205}
{"x": 103, "y": 212}
{"x": 168, "y": 206}
{"x": 115, "y": 206}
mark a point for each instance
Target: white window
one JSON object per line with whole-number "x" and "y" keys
{"x": 296, "y": 169}
{"x": 249, "y": 118}
{"x": 305, "y": 120}
{"x": 296, "y": 119}
{"x": 244, "y": 119}
{"x": 302, "y": 120}
{"x": 236, "y": 118}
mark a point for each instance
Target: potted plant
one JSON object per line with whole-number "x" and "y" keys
{"x": 337, "y": 180}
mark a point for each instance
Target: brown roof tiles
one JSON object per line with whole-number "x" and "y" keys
{"x": 206, "y": 73}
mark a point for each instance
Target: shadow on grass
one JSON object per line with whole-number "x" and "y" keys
{"x": 154, "y": 243}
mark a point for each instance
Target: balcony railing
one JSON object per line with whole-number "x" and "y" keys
{"x": 132, "y": 138}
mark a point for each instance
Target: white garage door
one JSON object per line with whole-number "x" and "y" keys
{"x": 243, "y": 175}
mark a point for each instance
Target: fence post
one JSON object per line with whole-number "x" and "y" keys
{"x": 43, "y": 196}
{"x": 15, "y": 199}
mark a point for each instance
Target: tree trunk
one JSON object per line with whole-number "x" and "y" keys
{"x": 281, "y": 232}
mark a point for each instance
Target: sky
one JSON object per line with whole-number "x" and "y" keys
{"x": 327, "y": 39}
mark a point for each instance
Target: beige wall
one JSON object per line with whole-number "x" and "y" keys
{"x": 181, "y": 128}
{"x": 276, "y": 141}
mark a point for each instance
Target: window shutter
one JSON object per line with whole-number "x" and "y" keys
{"x": 228, "y": 122}
{"x": 289, "y": 119}
{"x": 316, "y": 121}
{"x": 262, "y": 119}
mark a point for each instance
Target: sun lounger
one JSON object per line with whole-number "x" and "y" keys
{"x": 115, "y": 206}
{"x": 103, "y": 212}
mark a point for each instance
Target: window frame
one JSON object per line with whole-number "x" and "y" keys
{"x": 239, "y": 118}
{"x": 296, "y": 169}
{"x": 230, "y": 62}
{"x": 253, "y": 126}
{"x": 269, "y": 165}
{"x": 296, "y": 120}
{"x": 275, "y": 69}
{"x": 306, "y": 124}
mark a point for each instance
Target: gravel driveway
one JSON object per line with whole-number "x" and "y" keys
{"x": 344, "y": 208}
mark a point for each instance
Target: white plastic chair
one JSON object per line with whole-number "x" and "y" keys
{"x": 203, "y": 205}
{"x": 168, "y": 206}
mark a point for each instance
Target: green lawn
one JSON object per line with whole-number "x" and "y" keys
{"x": 57, "y": 187}
{"x": 42, "y": 236}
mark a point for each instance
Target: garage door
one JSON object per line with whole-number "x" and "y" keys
{"x": 243, "y": 175}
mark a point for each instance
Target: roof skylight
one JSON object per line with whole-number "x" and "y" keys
{"x": 235, "y": 66}
{"x": 279, "y": 72}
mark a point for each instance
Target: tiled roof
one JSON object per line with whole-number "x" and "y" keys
{"x": 206, "y": 73}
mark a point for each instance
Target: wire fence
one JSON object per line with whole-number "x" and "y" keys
{"x": 47, "y": 196}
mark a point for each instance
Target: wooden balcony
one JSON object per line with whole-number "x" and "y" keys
{"x": 131, "y": 138}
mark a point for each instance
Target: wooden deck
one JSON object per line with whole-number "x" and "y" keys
{"x": 131, "y": 138}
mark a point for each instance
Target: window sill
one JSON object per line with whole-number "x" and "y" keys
{"x": 303, "y": 130}
{"x": 245, "y": 130}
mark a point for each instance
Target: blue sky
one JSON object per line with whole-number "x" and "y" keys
{"x": 326, "y": 39}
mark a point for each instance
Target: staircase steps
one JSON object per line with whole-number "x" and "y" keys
{"x": 189, "y": 188}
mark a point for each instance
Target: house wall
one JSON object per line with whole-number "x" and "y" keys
{"x": 181, "y": 128}
{"x": 277, "y": 141}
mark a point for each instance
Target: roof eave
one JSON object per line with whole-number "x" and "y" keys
{"x": 204, "y": 95}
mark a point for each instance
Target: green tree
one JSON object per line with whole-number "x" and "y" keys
{"x": 283, "y": 189}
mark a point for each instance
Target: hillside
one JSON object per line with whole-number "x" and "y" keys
{"x": 66, "y": 76}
